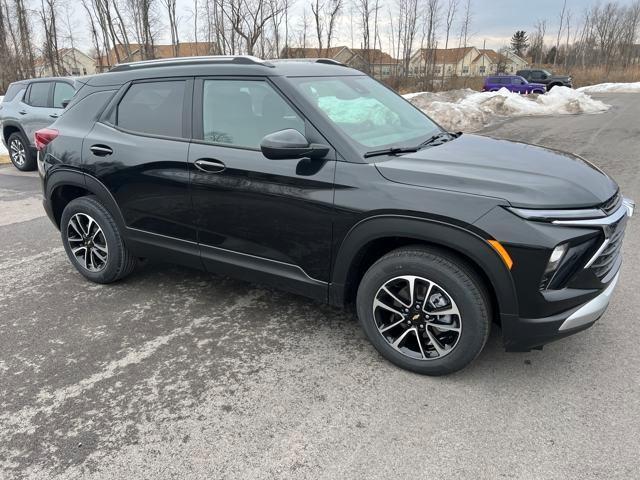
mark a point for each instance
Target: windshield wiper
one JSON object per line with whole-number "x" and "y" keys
{"x": 440, "y": 136}
{"x": 391, "y": 151}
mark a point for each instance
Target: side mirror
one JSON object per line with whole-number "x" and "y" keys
{"x": 290, "y": 144}
{"x": 65, "y": 102}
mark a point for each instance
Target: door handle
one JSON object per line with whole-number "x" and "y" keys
{"x": 22, "y": 112}
{"x": 54, "y": 115}
{"x": 210, "y": 165}
{"x": 100, "y": 150}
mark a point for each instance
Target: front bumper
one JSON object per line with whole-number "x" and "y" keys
{"x": 525, "y": 334}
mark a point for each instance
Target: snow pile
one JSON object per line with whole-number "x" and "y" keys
{"x": 468, "y": 111}
{"x": 612, "y": 88}
{"x": 3, "y": 151}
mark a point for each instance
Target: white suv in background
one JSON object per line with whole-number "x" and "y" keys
{"x": 27, "y": 106}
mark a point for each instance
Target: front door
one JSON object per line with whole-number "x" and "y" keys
{"x": 267, "y": 220}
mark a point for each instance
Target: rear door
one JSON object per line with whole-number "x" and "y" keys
{"x": 35, "y": 110}
{"x": 268, "y": 219}
{"x": 138, "y": 150}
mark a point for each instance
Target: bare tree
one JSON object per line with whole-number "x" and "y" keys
{"x": 170, "y": 5}
{"x": 560, "y": 28}
{"x": 452, "y": 7}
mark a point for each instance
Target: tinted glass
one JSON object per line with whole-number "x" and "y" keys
{"x": 154, "y": 107}
{"x": 39, "y": 94}
{"x": 62, "y": 91}
{"x": 366, "y": 111}
{"x": 242, "y": 112}
{"x": 12, "y": 91}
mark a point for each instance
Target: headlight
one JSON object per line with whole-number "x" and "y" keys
{"x": 552, "y": 215}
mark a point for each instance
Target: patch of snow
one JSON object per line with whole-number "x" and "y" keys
{"x": 3, "y": 150}
{"x": 612, "y": 88}
{"x": 467, "y": 110}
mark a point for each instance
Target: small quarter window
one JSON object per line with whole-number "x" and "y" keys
{"x": 154, "y": 108}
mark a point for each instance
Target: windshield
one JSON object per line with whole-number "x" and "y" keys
{"x": 366, "y": 111}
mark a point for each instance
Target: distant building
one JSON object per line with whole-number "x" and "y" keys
{"x": 73, "y": 62}
{"x": 134, "y": 53}
{"x": 464, "y": 62}
{"x": 373, "y": 61}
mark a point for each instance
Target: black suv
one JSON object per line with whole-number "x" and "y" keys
{"x": 315, "y": 178}
{"x": 546, "y": 78}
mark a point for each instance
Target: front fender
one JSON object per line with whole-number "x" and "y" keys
{"x": 470, "y": 245}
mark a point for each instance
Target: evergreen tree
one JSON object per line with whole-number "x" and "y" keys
{"x": 520, "y": 43}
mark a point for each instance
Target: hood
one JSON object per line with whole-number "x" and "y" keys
{"x": 524, "y": 175}
{"x": 560, "y": 77}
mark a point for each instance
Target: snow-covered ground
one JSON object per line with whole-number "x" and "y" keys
{"x": 468, "y": 110}
{"x": 612, "y": 88}
{"x": 3, "y": 151}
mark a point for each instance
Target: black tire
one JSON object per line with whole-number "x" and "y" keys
{"x": 458, "y": 282}
{"x": 20, "y": 152}
{"x": 119, "y": 262}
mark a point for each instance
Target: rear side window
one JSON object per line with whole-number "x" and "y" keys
{"x": 38, "y": 95}
{"x": 154, "y": 108}
{"x": 12, "y": 91}
{"x": 62, "y": 91}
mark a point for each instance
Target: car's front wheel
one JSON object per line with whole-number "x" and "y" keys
{"x": 424, "y": 310}
{"x": 93, "y": 241}
{"x": 20, "y": 152}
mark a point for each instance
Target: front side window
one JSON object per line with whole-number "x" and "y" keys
{"x": 62, "y": 91}
{"x": 240, "y": 113}
{"x": 39, "y": 94}
{"x": 366, "y": 111}
{"x": 153, "y": 108}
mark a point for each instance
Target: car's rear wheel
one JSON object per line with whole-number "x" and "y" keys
{"x": 93, "y": 241}
{"x": 20, "y": 152}
{"x": 424, "y": 310}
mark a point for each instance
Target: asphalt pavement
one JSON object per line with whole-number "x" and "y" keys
{"x": 175, "y": 373}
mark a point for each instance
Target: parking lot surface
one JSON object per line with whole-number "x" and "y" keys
{"x": 175, "y": 373}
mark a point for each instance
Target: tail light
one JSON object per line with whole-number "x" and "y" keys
{"x": 44, "y": 137}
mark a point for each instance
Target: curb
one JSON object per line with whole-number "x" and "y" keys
{"x": 4, "y": 159}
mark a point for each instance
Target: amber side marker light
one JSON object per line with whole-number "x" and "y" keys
{"x": 497, "y": 246}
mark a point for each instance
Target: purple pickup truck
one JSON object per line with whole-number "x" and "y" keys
{"x": 513, "y": 83}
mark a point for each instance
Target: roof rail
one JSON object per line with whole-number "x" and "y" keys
{"x": 328, "y": 61}
{"x": 199, "y": 60}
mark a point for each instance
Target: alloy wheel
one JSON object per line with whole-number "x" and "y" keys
{"x": 417, "y": 317}
{"x": 18, "y": 153}
{"x": 87, "y": 242}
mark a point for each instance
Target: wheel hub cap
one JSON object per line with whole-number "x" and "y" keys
{"x": 87, "y": 242}
{"x": 417, "y": 317}
{"x": 18, "y": 153}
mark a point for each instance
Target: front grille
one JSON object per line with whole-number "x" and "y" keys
{"x": 612, "y": 204}
{"x": 607, "y": 259}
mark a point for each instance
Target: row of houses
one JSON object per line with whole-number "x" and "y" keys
{"x": 460, "y": 62}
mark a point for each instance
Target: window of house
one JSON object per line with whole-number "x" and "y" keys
{"x": 465, "y": 69}
{"x": 240, "y": 113}
{"x": 482, "y": 69}
{"x": 84, "y": 70}
{"x": 153, "y": 107}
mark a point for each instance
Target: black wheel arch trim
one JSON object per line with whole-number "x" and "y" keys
{"x": 465, "y": 242}
{"x": 61, "y": 177}
{"x": 14, "y": 124}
